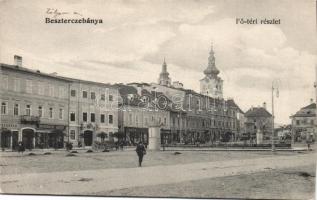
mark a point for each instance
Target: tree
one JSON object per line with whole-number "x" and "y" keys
{"x": 102, "y": 136}
{"x": 119, "y": 135}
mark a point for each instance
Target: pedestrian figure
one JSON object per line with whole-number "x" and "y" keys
{"x": 309, "y": 141}
{"x": 21, "y": 147}
{"x": 140, "y": 150}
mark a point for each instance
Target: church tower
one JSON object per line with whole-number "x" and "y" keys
{"x": 211, "y": 84}
{"x": 164, "y": 79}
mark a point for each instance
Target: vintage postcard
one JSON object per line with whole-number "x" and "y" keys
{"x": 163, "y": 98}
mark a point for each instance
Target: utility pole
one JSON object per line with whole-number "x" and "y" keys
{"x": 272, "y": 138}
{"x": 277, "y": 94}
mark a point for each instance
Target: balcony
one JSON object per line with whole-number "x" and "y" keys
{"x": 26, "y": 119}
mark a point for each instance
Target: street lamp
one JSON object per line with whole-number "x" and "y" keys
{"x": 275, "y": 84}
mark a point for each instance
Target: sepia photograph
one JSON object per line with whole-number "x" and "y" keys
{"x": 186, "y": 99}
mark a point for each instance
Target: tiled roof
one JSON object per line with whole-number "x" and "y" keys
{"x": 231, "y": 103}
{"x": 258, "y": 112}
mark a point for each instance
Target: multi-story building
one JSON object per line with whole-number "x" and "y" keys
{"x": 203, "y": 116}
{"x": 259, "y": 121}
{"x": 45, "y": 110}
{"x": 34, "y": 107}
{"x": 93, "y": 111}
{"x": 304, "y": 122}
{"x": 139, "y": 111}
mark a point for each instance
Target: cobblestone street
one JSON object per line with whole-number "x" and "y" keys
{"x": 116, "y": 174}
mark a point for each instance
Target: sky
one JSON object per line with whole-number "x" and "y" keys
{"x": 136, "y": 35}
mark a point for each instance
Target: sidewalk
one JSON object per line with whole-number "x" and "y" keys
{"x": 94, "y": 181}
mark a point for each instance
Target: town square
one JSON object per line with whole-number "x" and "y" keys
{"x": 167, "y": 99}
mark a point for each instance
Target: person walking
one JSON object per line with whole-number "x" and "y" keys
{"x": 21, "y": 147}
{"x": 309, "y": 140}
{"x": 140, "y": 150}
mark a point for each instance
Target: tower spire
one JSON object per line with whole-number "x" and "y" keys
{"x": 164, "y": 75}
{"x": 211, "y": 68}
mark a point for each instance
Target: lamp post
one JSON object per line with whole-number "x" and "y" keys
{"x": 274, "y": 87}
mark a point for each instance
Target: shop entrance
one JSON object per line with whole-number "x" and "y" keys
{"x": 28, "y": 136}
{"x": 88, "y": 138}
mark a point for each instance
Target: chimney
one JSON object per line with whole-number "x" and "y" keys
{"x": 264, "y": 105}
{"x": 311, "y": 100}
{"x": 18, "y": 60}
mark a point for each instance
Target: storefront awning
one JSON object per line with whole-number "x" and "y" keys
{"x": 44, "y": 131}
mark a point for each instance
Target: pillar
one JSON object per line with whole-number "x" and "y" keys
{"x": 259, "y": 137}
{"x": 154, "y": 138}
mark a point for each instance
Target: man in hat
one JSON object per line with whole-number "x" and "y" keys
{"x": 140, "y": 150}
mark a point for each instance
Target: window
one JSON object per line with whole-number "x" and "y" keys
{"x": 84, "y": 116}
{"x": 312, "y": 122}
{"x": 50, "y": 114}
{"x": 16, "y": 109}
{"x": 92, "y": 117}
{"x": 73, "y": 93}
{"x": 40, "y": 111}
{"x": 5, "y": 82}
{"x": 72, "y": 116}
{"x": 85, "y": 94}
{"x": 51, "y": 90}
{"x": 93, "y": 95}
{"x": 29, "y": 86}
{"x": 61, "y": 92}
{"x": 110, "y": 119}
{"x": 28, "y": 110}
{"x": 72, "y": 134}
{"x": 102, "y": 97}
{"x": 164, "y": 120}
{"x": 61, "y": 113}
{"x": 16, "y": 85}
{"x": 102, "y": 118}
{"x": 136, "y": 119}
{"x": 41, "y": 88}
{"x": 110, "y": 97}
{"x": 4, "y": 109}
{"x": 297, "y": 122}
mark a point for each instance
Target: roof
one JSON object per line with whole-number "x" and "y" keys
{"x": 35, "y": 72}
{"x": 54, "y": 75}
{"x": 310, "y": 106}
{"x": 88, "y": 82}
{"x": 257, "y": 112}
{"x": 231, "y": 103}
{"x": 306, "y": 111}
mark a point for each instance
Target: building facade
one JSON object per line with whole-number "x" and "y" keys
{"x": 93, "y": 111}
{"x": 34, "y": 107}
{"x": 138, "y": 112}
{"x": 304, "y": 122}
{"x": 46, "y": 110}
{"x": 259, "y": 122}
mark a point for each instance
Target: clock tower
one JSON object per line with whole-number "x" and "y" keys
{"x": 211, "y": 84}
